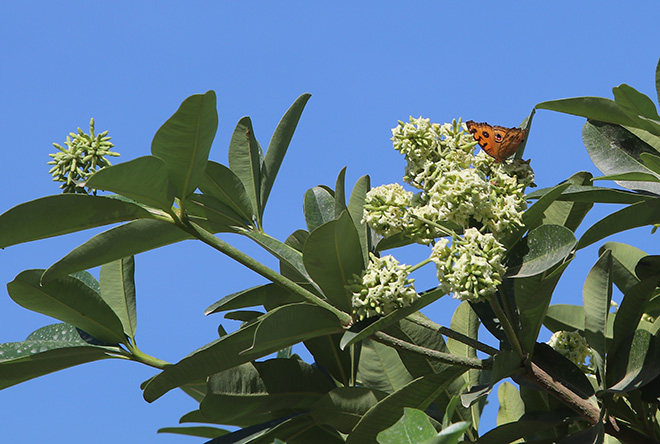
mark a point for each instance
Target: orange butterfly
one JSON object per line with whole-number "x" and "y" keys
{"x": 497, "y": 141}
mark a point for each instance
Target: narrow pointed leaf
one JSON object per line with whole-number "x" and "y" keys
{"x": 624, "y": 260}
{"x": 340, "y": 193}
{"x": 67, "y": 213}
{"x": 118, "y": 291}
{"x": 198, "y": 431}
{"x": 597, "y": 294}
{"x": 216, "y": 212}
{"x": 590, "y": 194}
{"x": 356, "y": 210}
{"x": 279, "y": 144}
{"x": 69, "y": 300}
{"x": 332, "y": 255}
{"x": 631, "y": 177}
{"x": 221, "y": 183}
{"x": 636, "y": 362}
{"x": 116, "y": 243}
{"x": 638, "y": 107}
{"x": 651, "y": 161}
{"x": 245, "y": 157}
{"x": 184, "y": 142}
{"x": 251, "y": 297}
{"x": 594, "y": 108}
{"x": 144, "y": 180}
{"x": 46, "y": 350}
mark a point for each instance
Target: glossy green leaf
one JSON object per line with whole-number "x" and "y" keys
{"x": 651, "y": 161}
{"x": 381, "y": 367}
{"x": 198, "y": 431}
{"x": 318, "y": 207}
{"x": 245, "y": 160}
{"x": 118, "y": 291}
{"x": 259, "y": 387}
{"x": 144, "y": 180}
{"x": 116, "y": 243}
{"x": 590, "y": 194}
{"x": 252, "y": 297}
{"x": 624, "y": 260}
{"x": 418, "y": 394}
{"x": 67, "y": 213}
{"x": 328, "y": 355}
{"x": 46, "y": 350}
{"x": 343, "y": 407}
{"x": 534, "y": 214}
{"x": 449, "y": 435}
{"x": 594, "y": 108}
{"x": 564, "y": 371}
{"x": 221, "y": 183}
{"x": 635, "y": 363}
{"x": 290, "y": 324}
{"x": 332, "y": 256}
{"x": 340, "y": 193}
{"x": 412, "y": 428}
{"x": 364, "y": 329}
{"x": 279, "y": 144}
{"x": 216, "y": 212}
{"x": 184, "y": 142}
{"x": 596, "y": 295}
{"x": 356, "y": 210}
{"x": 511, "y": 404}
{"x": 632, "y": 216}
{"x": 69, "y": 300}
{"x": 638, "y": 107}
{"x": 614, "y": 150}
{"x": 544, "y": 247}
{"x": 634, "y": 176}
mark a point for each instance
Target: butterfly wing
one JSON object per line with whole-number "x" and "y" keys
{"x": 497, "y": 141}
{"x": 510, "y": 142}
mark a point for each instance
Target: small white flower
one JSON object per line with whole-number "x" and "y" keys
{"x": 572, "y": 345}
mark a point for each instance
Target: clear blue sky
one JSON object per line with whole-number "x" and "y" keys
{"x": 367, "y": 65}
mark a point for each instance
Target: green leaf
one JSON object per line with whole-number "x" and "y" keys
{"x": 634, "y": 176}
{"x": 67, "y": 213}
{"x": 184, "y": 142}
{"x": 413, "y": 428}
{"x": 279, "y": 144}
{"x": 593, "y": 108}
{"x": 199, "y": 431}
{"x": 116, "y": 243}
{"x": 290, "y": 324}
{"x": 449, "y": 435}
{"x": 260, "y": 387}
{"x": 343, "y": 407}
{"x": 251, "y": 297}
{"x": 624, "y": 260}
{"x": 381, "y": 367}
{"x": 418, "y": 394}
{"x": 590, "y": 194}
{"x": 69, "y": 300}
{"x": 597, "y": 294}
{"x": 544, "y": 247}
{"x": 245, "y": 157}
{"x": 118, "y": 291}
{"x": 221, "y": 183}
{"x": 318, "y": 207}
{"x": 651, "y": 161}
{"x": 332, "y": 255}
{"x": 571, "y": 318}
{"x": 615, "y": 150}
{"x": 223, "y": 217}
{"x": 635, "y": 363}
{"x": 144, "y": 180}
{"x": 511, "y": 404}
{"x": 534, "y": 214}
{"x": 46, "y": 350}
{"x": 632, "y": 216}
{"x": 328, "y": 355}
{"x": 528, "y": 424}
{"x": 356, "y": 210}
{"x": 638, "y": 106}
{"x": 366, "y": 328}
{"x": 340, "y": 193}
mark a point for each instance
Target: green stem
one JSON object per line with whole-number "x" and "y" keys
{"x": 261, "y": 269}
{"x": 447, "y": 358}
{"x": 508, "y": 328}
{"x": 139, "y": 356}
{"x": 448, "y": 332}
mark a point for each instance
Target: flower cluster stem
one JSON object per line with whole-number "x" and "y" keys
{"x": 508, "y": 328}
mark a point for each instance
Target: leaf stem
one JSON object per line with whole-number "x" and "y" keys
{"x": 508, "y": 328}
{"x": 453, "y": 334}
{"x": 258, "y": 267}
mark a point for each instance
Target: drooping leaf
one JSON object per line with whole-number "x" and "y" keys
{"x": 118, "y": 291}
{"x": 413, "y": 427}
{"x": 144, "y": 180}
{"x": 67, "y": 213}
{"x": 624, "y": 260}
{"x": 614, "y": 150}
{"x": 332, "y": 255}
{"x": 221, "y": 183}
{"x": 116, "y": 243}
{"x": 245, "y": 161}
{"x": 638, "y": 107}
{"x": 343, "y": 407}
{"x": 594, "y": 108}
{"x": 319, "y": 207}
{"x": 635, "y": 363}
{"x": 597, "y": 294}
{"x": 46, "y": 350}
{"x": 184, "y": 142}
{"x": 279, "y": 144}
{"x": 69, "y": 300}
{"x": 511, "y": 404}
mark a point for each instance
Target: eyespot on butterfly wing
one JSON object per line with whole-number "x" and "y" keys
{"x": 498, "y": 142}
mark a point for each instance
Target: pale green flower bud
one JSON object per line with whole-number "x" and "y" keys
{"x": 572, "y": 345}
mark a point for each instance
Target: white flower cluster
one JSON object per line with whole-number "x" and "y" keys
{"x": 471, "y": 267}
{"x": 382, "y": 288}
{"x": 572, "y": 345}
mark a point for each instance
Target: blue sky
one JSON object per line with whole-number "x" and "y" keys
{"x": 367, "y": 65}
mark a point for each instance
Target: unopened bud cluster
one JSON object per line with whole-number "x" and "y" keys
{"x": 572, "y": 345}
{"x": 83, "y": 156}
{"x": 382, "y": 288}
